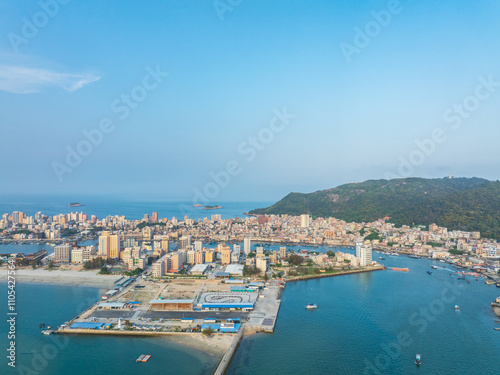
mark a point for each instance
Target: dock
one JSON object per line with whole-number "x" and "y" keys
{"x": 263, "y": 317}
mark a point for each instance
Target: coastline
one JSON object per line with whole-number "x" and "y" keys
{"x": 58, "y": 277}
{"x": 216, "y": 345}
{"x": 342, "y": 273}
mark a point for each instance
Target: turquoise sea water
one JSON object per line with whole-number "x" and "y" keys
{"x": 75, "y": 355}
{"x": 359, "y": 317}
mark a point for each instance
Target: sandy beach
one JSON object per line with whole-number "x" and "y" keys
{"x": 215, "y": 345}
{"x": 62, "y": 277}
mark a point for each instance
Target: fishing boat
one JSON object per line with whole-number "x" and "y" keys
{"x": 311, "y": 306}
{"x": 489, "y": 282}
{"x": 498, "y": 284}
{"x": 429, "y": 272}
{"x": 381, "y": 258}
{"x": 497, "y": 329}
{"x": 418, "y": 360}
{"x": 47, "y": 332}
{"x": 435, "y": 267}
{"x": 457, "y": 307}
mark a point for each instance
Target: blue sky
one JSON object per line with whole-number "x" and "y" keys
{"x": 355, "y": 118}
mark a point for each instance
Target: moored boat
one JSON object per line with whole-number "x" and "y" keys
{"x": 418, "y": 360}
{"x": 496, "y": 306}
{"x": 141, "y": 357}
{"x": 489, "y": 282}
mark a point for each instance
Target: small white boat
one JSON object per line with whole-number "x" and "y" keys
{"x": 418, "y": 360}
{"x": 311, "y": 306}
{"x": 456, "y": 307}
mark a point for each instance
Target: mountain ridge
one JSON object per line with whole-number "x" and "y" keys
{"x": 469, "y": 204}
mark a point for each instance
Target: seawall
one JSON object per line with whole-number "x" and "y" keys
{"x": 228, "y": 357}
{"x": 318, "y": 276}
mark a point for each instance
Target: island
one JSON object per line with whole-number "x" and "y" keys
{"x": 211, "y": 207}
{"x": 75, "y": 204}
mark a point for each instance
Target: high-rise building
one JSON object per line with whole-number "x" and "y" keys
{"x": 198, "y": 245}
{"x": 305, "y": 220}
{"x": 158, "y": 268}
{"x": 62, "y": 253}
{"x": 155, "y": 217}
{"x": 226, "y": 255}
{"x": 247, "y": 245}
{"x": 199, "y": 257}
{"x": 261, "y": 263}
{"x": 363, "y": 253}
{"x": 283, "y": 252}
{"x": 184, "y": 242}
{"x": 109, "y": 245}
{"x": 209, "y": 256}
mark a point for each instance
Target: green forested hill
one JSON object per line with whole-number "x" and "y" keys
{"x": 471, "y": 204}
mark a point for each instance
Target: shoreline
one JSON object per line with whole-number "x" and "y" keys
{"x": 58, "y": 277}
{"x": 216, "y": 345}
{"x": 342, "y": 273}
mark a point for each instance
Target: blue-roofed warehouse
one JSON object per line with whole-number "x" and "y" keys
{"x": 87, "y": 325}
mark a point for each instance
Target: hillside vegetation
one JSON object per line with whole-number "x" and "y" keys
{"x": 470, "y": 204}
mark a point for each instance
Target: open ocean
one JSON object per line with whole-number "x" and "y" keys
{"x": 355, "y": 329}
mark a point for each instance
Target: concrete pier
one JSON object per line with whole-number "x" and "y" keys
{"x": 228, "y": 357}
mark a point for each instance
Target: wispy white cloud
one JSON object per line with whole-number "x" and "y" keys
{"x": 23, "y": 80}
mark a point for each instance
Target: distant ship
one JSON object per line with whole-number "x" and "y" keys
{"x": 197, "y": 205}
{"x": 74, "y": 204}
{"x": 311, "y": 306}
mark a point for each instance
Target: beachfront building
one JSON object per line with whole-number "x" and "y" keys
{"x": 82, "y": 254}
{"x": 134, "y": 263}
{"x": 109, "y": 245}
{"x": 363, "y": 253}
{"x": 62, "y": 253}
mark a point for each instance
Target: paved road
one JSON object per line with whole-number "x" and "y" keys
{"x": 127, "y": 314}
{"x": 194, "y": 314}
